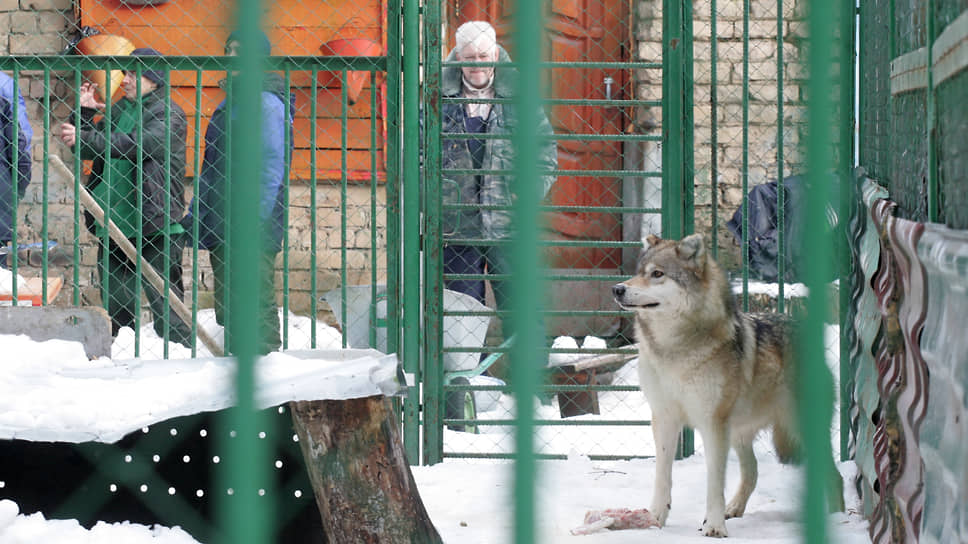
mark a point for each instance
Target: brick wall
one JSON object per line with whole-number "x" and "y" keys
{"x": 763, "y": 97}
{"x": 44, "y": 27}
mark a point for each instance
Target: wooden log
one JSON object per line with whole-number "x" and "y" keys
{"x": 359, "y": 472}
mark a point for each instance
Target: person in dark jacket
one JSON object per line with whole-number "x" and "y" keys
{"x": 215, "y": 184}
{"x": 12, "y": 138}
{"x": 117, "y": 177}
{"x": 491, "y": 192}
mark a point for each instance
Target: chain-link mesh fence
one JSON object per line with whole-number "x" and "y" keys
{"x": 910, "y": 122}
{"x": 325, "y": 143}
{"x": 744, "y": 78}
{"x": 137, "y": 105}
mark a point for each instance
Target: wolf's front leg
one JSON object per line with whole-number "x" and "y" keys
{"x": 715, "y": 441}
{"x": 665, "y": 433}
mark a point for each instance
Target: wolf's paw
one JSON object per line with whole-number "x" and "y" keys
{"x": 715, "y": 530}
{"x": 661, "y": 513}
{"x": 735, "y": 510}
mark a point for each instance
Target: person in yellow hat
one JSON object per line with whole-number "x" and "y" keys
{"x": 128, "y": 161}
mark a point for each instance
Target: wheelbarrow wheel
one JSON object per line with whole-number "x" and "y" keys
{"x": 461, "y": 405}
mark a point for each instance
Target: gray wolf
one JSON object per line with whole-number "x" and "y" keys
{"x": 703, "y": 363}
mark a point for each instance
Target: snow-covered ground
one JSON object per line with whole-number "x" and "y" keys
{"x": 470, "y": 501}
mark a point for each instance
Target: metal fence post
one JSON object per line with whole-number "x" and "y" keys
{"x": 525, "y": 262}
{"x": 815, "y": 382}
{"x": 244, "y": 518}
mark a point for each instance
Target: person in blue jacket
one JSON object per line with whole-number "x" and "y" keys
{"x": 215, "y": 184}
{"x": 12, "y": 138}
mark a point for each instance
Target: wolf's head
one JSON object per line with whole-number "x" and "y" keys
{"x": 668, "y": 275}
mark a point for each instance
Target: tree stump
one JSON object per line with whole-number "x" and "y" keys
{"x": 359, "y": 472}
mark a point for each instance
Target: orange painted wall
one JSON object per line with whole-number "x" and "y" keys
{"x": 294, "y": 27}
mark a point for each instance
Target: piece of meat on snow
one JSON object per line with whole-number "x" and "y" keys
{"x": 616, "y": 519}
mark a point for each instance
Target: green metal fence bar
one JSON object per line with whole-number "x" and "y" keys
{"x": 558, "y": 101}
{"x": 243, "y": 519}
{"x": 371, "y": 337}
{"x": 286, "y": 188}
{"x": 688, "y": 128}
{"x": 525, "y": 265}
{"x": 548, "y": 65}
{"x": 587, "y": 173}
{"x": 744, "y": 170}
{"x": 410, "y": 184}
{"x": 815, "y": 399}
{"x": 314, "y": 221}
{"x": 166, "y": 234}
{"x": 780, "y": 192}
{"x": 411, "y": 406}
{"x": 564, "y": 137}
{"x": 105, "y": 241}
{"x": 672, "y": 129}
{"x": 45, "y": 191}
{"x": 373, "y": 199}
{"x": 714, "y": 125}
{"x": 76, "y": 168}
{"x": 14, "y": 183}
{"x": 432, "y": 368}
{"x": 934, "y": 206}
{"x": 206, "y": 63}
{"x": 196, "y": 173}
{"x": 139, "y": 198}
{"x": 846, "y": 165}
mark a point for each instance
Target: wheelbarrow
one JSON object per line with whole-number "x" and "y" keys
{"x": 366, "y": 313}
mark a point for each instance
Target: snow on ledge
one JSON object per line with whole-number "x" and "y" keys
{"x": 67, "y": 398}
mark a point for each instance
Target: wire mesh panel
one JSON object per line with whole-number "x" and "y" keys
{"x": 125, "y": 170}
{"x": 583, "y": 130}
{"x": 603, "y": 97}
{"x": 328, "y": 149}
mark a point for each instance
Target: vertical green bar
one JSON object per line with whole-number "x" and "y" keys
{"x": 780, "y": 192}
{"x": 76, "y": 167}
{"x": 46, "y": 186}
{"x": 815, "y": 399}
{"x": 314, "y": 219}
{"x": 411, "y": 199}
{"x": 342, "y": 217}
{"x": 745, "y": 184}
{"x": 394, "y": 152}
{"x": 672, "y": 129}
{"x": 14, "y": 182}
{"x": 166, "y": 234}
{"x": 139, "y": 242}
{"x": 287, "y": 146}
{"x": 433, "y": 370}
{"x": 525, "y": 264}
{"x": 105, "y": 240}
{"x": 411, "y": 415}
{"x": 845, "y": 168}
{"x": 688, "y": 123}
{"x": 676, "y": 162}
{"x": 196, "y": 170}
{"x": 245, "y": 518}
{"x": 374, "y": 261}
{"x": 933, "y": 188}
{"x": 714, "y": 125}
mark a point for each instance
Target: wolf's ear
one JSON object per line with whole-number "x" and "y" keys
{"x": 691, "y": 247}
{"x": 650, "y": 241}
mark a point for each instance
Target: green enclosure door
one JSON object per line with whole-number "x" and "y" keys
{"x": 589, "y": 32}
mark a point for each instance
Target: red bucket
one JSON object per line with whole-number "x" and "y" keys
{"x": 349, "y": 47}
